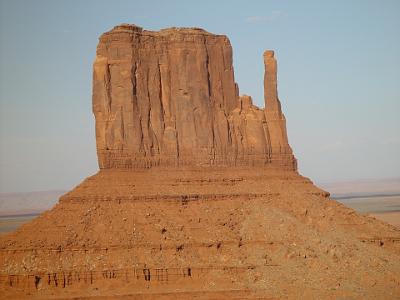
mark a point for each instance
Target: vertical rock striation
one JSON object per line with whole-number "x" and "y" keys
{"x": 280, "y": 151}
{"x": 169, "y": 98}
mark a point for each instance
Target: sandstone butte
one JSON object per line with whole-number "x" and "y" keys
{"x": 198, "y": 194}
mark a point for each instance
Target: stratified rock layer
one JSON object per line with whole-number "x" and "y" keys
{"x": 169, "y": 98}
{"x": 225, "y": 216}
{"x": 224, "y": 233}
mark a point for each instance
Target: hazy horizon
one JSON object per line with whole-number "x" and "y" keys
{"x": 338, "y": 80}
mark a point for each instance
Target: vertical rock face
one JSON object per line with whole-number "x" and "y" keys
{"x": 279, "y": 145}
{"x": 169, "y": 98}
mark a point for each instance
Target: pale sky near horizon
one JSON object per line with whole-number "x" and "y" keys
{"x": 338, "y": 80}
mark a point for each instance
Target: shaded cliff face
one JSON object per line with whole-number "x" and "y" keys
{"x": 169, "y": 98}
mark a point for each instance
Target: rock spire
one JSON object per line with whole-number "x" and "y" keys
{"x": 279, "y": 145}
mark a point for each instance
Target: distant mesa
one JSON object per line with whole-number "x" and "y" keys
{"x": 169, "y": 98}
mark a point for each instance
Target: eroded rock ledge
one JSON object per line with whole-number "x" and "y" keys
{"x": 169, "y": 98}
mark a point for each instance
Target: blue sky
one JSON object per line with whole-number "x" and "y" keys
{"x": 338, "y": 80}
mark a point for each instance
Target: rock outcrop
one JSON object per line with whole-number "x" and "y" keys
{"x": 246, "y": 226}
{"x": 169, "y": 98}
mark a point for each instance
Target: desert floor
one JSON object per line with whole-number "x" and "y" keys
{"x": 11, "y": 223}
{"x": 385, "y": 208}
